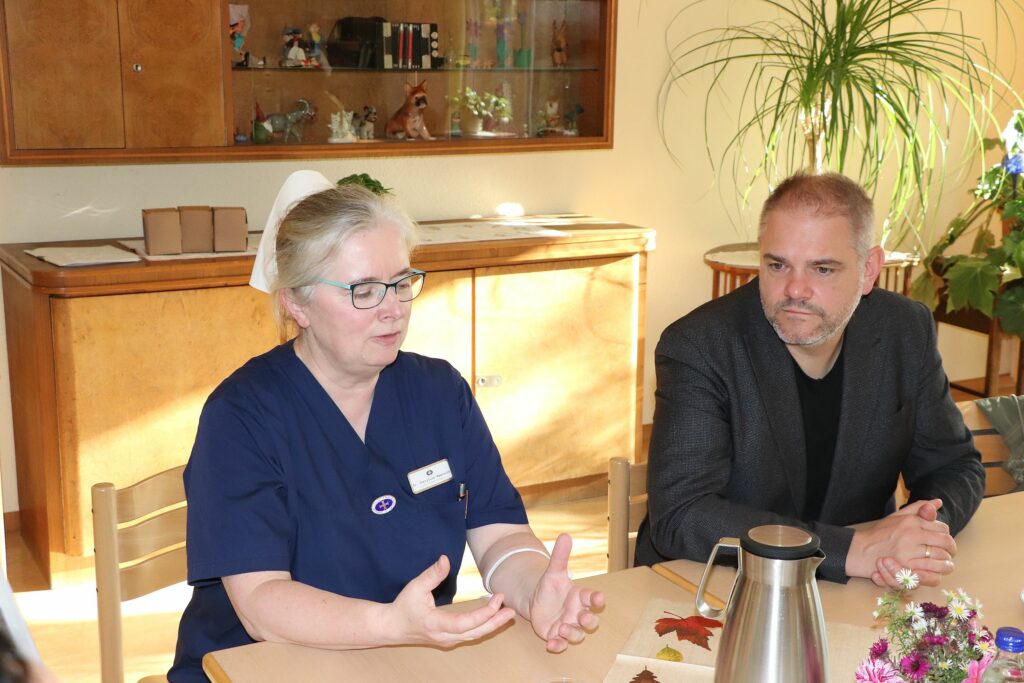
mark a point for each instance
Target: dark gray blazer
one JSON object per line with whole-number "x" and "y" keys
{"x": 727, "y": 449}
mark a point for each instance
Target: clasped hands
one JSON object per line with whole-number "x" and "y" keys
{"x": 911, "y": 538}
{"x": 559, "y": 611}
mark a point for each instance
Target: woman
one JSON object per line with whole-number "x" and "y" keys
{"x": 335, "y": 481}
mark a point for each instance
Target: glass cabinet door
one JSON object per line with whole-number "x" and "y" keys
{"x": 420, "y": 77}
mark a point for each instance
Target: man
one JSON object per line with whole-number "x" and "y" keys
{"x": 802, "y": 396}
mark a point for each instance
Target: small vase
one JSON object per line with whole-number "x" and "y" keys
{"x": 470, "y": 124}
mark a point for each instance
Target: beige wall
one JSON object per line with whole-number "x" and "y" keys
{"x": 636, "y": 182}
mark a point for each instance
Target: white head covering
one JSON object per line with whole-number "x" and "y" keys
{"x": 298, "y": 186}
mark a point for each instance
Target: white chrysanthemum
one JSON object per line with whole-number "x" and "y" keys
{"x": 983, "y": 646}
{"x": 919, "y": 625}
{"x": 875, "y": 614}
{"x": 945, "y": 665}
{"x": 915, "y": 611}
{"x": 880, "y": 601}
{"x": 907, "y": 579}
{"x": 977, "y": 609}
{"x": 959, "y": 610}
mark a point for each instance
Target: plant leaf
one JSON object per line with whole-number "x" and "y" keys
{"x": 972, "y": 282}
{"x": 695, "y": 629}
{"x": 1010, "y": 310}
{"x": 925, "y": 288}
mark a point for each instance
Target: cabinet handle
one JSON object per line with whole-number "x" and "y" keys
{"x": 488, "y": 381}
{"x": 137, "y": 68}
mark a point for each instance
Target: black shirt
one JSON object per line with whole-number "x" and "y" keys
{"x": 820, "y": 405}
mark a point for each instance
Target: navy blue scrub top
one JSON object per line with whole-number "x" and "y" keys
{"x": 279, "y": 481}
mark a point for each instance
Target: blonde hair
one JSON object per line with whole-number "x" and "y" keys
{"x": 316, "y": 228}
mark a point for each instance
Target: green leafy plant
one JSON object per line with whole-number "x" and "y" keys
{"x": 485, "y": 104}
{"x": 367, "y": 181}
{"x": 861, "y": 87}
{"x": 987, "y": 279}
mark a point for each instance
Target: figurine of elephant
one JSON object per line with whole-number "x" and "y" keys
{"x": 291, "y": 123}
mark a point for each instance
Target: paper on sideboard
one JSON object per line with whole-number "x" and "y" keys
{"x": 82, "y": 256}
{"x": 443, "y": 233}
{"x": 139, "y": 247}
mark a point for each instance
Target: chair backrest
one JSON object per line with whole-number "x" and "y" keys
{"x": 994, "y": 451}
{"x": 139, "y": 533}
{"x": 627, "y": 505}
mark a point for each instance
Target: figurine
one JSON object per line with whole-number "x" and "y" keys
{"x": 262, "y": 131}
{"x": 313, "y": 45}
{"x": 238, "y": 16}
{"x": 293, "y": 54}
{"x": 363, "y": 124}
{"x": 522, "y": 59}
{"x": 571, "y": 119}
{"x": 290, "y": 123}
{"x": 407, "y": 123}
{"x": 559, "y": 43}
{"x": 341, "y": 128}
{"x": 551, "y": 113}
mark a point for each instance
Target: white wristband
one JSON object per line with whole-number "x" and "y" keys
{"x": 510, "y": 553}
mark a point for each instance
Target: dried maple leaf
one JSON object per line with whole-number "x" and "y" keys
{"x": 644, "y": 676}
{"x": 695, "y": 629}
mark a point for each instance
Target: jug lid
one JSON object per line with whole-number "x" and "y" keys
{"x": 779, "y": 542}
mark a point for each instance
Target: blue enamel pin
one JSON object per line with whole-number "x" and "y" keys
{"x": 383, "y": 505}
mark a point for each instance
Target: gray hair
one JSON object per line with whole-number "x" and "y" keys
{"x": 316, "y": 228}
{"x": 827, "y": 195}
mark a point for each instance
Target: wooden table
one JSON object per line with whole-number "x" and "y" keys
{"x": 514, "y": 654}
{"x": 989, "y": 567}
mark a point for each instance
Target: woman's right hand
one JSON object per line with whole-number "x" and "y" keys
{"x": 414, "y": 618}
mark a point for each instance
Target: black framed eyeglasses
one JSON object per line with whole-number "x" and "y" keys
{"x": 369, "y": 294}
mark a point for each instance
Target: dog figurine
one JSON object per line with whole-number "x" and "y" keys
{"x": 364, "y": 123}
{"x": 407, "y": 123}
{"x": 559, "y": 43}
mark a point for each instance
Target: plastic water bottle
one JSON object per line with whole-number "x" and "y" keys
{"x": 1007, "y": 666}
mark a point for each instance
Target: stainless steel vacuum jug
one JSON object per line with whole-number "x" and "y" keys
{"x": 774, "y": 629}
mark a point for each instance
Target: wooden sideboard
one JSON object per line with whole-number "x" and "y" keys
{"x": 110, "y": 364}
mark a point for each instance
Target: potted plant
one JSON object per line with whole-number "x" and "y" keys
{"x": 861, "y": 87}
{"x": 479, "y": 111}
{"x": 988, "y": 278}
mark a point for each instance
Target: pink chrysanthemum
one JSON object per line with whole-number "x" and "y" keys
{"x": 879, "y": 649}
{"x": 876, "y": 671}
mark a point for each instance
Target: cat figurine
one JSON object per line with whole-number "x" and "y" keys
{"x": 407, "y": 123}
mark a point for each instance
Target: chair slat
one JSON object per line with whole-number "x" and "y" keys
{"x": 153, "y": 574}
{"x": 154, "y": 534}
{"x": 149, "y": 495}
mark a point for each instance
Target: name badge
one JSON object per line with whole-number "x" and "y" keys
{"x": 434, "y": 474}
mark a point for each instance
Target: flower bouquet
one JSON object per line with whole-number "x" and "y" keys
{"x": 928, "y": 643}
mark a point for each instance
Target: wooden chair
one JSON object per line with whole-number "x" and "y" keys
{"x": 734, "y": 265}
{"x": 627, "y": 505}
{"x": 994, "y": 451}
{"x": 140, "y": 547}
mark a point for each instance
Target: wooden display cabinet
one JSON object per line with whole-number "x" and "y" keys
{"x": 159, "y": 80}
{"x": 110, "y": 365}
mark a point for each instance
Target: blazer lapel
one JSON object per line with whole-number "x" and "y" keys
{"x": 862, "y": 362}
{"x": 776, "y": 387}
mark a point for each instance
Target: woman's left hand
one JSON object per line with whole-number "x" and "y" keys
{"x": 560, "y": 611}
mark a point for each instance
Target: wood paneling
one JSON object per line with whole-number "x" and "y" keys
{"x": 563, "y": 339}
{"x": 442, "y": 320}
{"x": 133, "y": 372}
{"x": 172, "y": 68}
{"x": 64, "y": 73}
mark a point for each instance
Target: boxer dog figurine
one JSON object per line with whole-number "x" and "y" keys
{"x": 407, "y": 123}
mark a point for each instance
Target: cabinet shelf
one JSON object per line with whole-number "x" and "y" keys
{"x": 426, "y": 72}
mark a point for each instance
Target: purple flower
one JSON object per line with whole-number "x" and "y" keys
{"x": 1014, "y": 165}
{"x": 934, "y": 640}
{"x": 933, "y": 611}
{"x": 876, "y": 671}
{"x": 879, "y": 649}
{"x": 915, "y": 666}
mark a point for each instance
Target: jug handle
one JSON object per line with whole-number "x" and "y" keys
{"x": 702, "y": 606}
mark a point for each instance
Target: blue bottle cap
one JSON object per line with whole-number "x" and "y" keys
{"x": 1010, "y": 639}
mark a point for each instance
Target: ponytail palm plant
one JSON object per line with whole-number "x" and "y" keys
{"x": 874, "y": 89}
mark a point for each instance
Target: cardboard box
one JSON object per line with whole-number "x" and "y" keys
{"x": 162, "y": 231}
{"x": 230, "y": 228}
{"x": 196, "y": 229}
